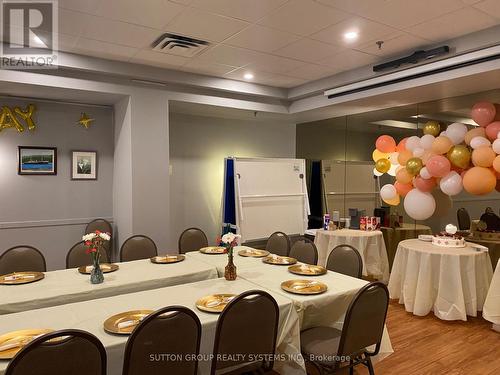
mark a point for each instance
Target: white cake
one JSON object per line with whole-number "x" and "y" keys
{"x": 448, "y": 238}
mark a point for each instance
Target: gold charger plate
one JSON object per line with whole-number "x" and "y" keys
{"x": 213, "y": 250}
{"x": 303, "y": 287}
{"x": 307, "y": 270}
{"x": 105, "y": 268}
{"x": 14, "y": 341}
{"x": 214, "y": 303}
{"x": 281, "y": 261}
{"x": 167, "y": 259}
{"x": 133, "y": 318}
{"x": 18, "y": 278}
{"x": 254, "y": 253}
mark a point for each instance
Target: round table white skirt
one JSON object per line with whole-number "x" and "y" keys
{"x": 491, "y": 309}
{"x": 452, "y": 282}
{"x": 370, "y": 245}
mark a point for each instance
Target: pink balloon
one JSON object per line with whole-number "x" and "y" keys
{"x": 385, "y": 143}
{"x": 483, "y": 113}
{"x": 492, "y": 130}
{"x": 403, "y": 189}
{"x": 424, "y": 185}
{"x": 438, "y": 166}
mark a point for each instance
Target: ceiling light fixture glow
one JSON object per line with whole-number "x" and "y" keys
{"x": 351, "y": 35}
{"x": 248, "y": 76}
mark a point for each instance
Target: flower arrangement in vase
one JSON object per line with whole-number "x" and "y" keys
{"x": 95, "y": 243}
{"x": 229, "y": 241}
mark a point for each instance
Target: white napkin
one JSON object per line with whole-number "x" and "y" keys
{"x": 312, "y": 283}
{"x": 304, "y": 267}
{"x": 129, "y": 323}
{"x": 219, "y": 302}
{"x": 11, "y": 344}
{"x": 274, "y": 256}
{"x": 89, "y": 268}
{"x": 17, "y": 277}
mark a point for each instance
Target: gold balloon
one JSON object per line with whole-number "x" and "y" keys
{"x": 432, "y": 128}
{"x": 394, "y": 201}
{"x": 9, "y": 120}
{"x": 414, "y": 165}
{"x": 459, "y": 156}
{"x": 383, "y": 165}
{"x": 27, "y": 115}
{"x": 377, "y": 155}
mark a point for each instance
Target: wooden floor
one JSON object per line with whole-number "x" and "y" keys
{"x": 430, "y": 346}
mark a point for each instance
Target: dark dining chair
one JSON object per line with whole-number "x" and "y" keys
{"x": 77, "y": 256}
{"x": 104, "y": 226}
{"x": 138, "y": 247}
{"x": 278, "y": 243}
{"x": 345, "y": 259}
{"x": 68, "y": 351}
{"x": 327, "y": 348}
{"x": 22, "y": 258}
{"x": 175, "y": 330}
{"x": 304, "y": 251}
{"x": 192, "y": 239}
{"x": 248, "y": 325}
{"x": 463, "y": 219}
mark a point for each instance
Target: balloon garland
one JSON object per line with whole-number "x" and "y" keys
{"x": 440, "y": 164}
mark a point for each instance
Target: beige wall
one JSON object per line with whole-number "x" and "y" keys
{"x": 198, "y": 146}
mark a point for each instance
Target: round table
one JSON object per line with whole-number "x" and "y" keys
{"x": 452, "y": 282}
{"x": 370, "y": 244}
{"x": 491, "y": 308}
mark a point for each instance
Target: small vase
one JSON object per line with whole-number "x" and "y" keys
{"x": 230, "y": 270}
{"x": 96, "y": 275}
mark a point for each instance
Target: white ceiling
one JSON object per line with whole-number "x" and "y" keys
{"x": 284, "y": 43}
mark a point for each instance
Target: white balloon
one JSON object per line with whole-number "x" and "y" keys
{"x": 426, "y": 141}
{"x": 477, "y": 142}
{"x": 496, "y": 145}
{"x": 451, "y": 184}
{"x": 392, "y": 170}
{"x": 419, "y": 205}
{"x": 418, "y": 152}
{"x": 393, "y": 158}
{"x": 443, "y": 134}
{"x": 412, "y": 143}
{"x": 456, "y": 132}
{"x": 377, "y": 173}
{"x": 388, "y": 192}
{"x": 424, "y": 173}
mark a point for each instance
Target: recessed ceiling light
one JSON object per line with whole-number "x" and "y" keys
{"x": 248, "y": 76}
{"x": 351, "y": 35}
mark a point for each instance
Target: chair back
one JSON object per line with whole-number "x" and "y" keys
{"x": 71, "y": 351}
{"x": 248, "y": 325}
{"x": 175, "y": 330}
{"x": 365, "y": 320}
{"x": 278, "y": 243}
{"x": 138, "y": 247}
{"x": 22, "y": 258}
{"x": 192, "y": 239}
{"x": 104, "y": 226}
{"x": 304, "y": 251}
{"x": 345, "y": 259}
{"x": 463, "y": 219}
{"x": 77, "y": 256}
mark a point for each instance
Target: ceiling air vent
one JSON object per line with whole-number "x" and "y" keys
{"x": 179, "y": 45}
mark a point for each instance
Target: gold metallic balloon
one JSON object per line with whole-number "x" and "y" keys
{"x": 394, "y": 201}
{"x": 414, "y": 165}
{"x": 27, "y": 115}
{"x": 432, "y": 128}
{"x": 459, "y": 156}
{"x": 383, "y": 165}
{"x": 9, "y": 120}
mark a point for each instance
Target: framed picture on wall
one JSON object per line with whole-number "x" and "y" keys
{"x": 36, "y": 160}
{"x": 84, "y": 165}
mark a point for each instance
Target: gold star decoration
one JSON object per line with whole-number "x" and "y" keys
{"x": 85, "y": 120}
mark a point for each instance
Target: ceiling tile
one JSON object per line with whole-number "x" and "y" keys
{"x": 158, "y": 59}
{"x": 72, "y": 23}
{"x": 303, "y": 17}
{"x": 227, "y": 55}
{"x": 349, "y": 59}
{"x": 367, "y": 30}
{"x": 265, "y": 78}
{"x": 273, "y": 64}
{"x": 312, "y": 72}
{"x": 452, "y": 25}
{"x": 152, "y": 13}
{"x": 87, "y": 6}
{"x": 308, "y": 50}
{"x": 103, "y": 50}
{"x": 397, "y": 13}
{"x": 260, "y": 38}
{"x": 103, "y": 29}
{"x": 205, "y": 67}
{"x": 397, "y": 44}
{"x": 207, "y": 26}
{"x": 491, "y": 7}
{"x": 243, "y": 9}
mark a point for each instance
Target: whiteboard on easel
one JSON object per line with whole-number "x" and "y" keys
{"x": 271, "y": 195}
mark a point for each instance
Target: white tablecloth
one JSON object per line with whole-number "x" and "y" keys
{"x": 491, "y": 308}
{"x": 68, "y": 286}
{"x": 90, "y": 316}
{"x": 326, "y": 309}
{"x": 370, "y": 245}
{"x": 452, "y": 282}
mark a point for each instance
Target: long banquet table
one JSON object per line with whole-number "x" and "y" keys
{"x": 90, "y": 315}
{"x": 68, "y": 286}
